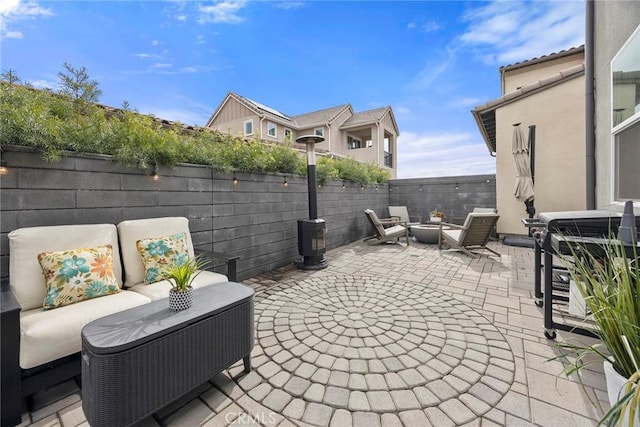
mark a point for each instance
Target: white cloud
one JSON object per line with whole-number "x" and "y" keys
{"x": 144, "y": 55}
{"x": 162, "y": 65}
{"x": 12, "y": 11}
{"x": 45, "y": 84}
{"x": 13, "y": 35}
{"x": 224, "y": 12}
{"x": 442, "y": 154}
{"x": 464, "y": 101}
{"x": 504, "y": 32}
{"x": 155, "y": 43}
{"x": 434, "y": 68}
{"x": 289, "y": 5}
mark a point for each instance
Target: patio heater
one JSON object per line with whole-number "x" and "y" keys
{"x": 312, "y": 231}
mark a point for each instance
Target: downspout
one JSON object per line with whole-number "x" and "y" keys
{"x": 381, "y": 144}
{"x": 261, "y": 133}
{"x": 590, "y": 143}
{"x": 329, "y": 131}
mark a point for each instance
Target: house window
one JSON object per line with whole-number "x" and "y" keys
{"x": 272, "y": 130}
{"x": 248, "y": 127}
{"x": 369, "y": 143}
{"x": 318, "y": 131}
{"x": 287, "y": 134}
{"x": 353, "y": 143}
{"x": 625, "y": 119}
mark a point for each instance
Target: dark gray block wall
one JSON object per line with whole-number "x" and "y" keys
{"x": 456, "y": 196}
{"x": 255, "y": 219}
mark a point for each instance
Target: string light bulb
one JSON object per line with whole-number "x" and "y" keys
{"x": 235, "y": 180}
{"x": 154, "y": 173}
{"x": 457, "y": 186}
{"x": 3, "y": 168}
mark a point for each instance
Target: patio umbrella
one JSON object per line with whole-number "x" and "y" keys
{"x": 523, "y": 190}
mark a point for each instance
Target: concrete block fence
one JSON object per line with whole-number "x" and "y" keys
{"x": 255, "y": 219}
{"x": 456, "y": 196}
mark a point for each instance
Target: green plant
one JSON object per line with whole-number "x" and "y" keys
{"x": 609, "y": 281}
{"x": 70, "y": 121}
{"x": 181, "y": 274}
{"x": 437, "y": 214}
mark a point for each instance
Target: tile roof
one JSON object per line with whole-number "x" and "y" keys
{"x": 543, "y": 58}
{"x": 364, "y": 117}
{"x": 319, "y": 117}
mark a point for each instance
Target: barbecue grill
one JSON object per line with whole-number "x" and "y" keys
{"x": 547, "y": 228}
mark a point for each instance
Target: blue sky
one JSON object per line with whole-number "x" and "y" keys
{"x": 432, "y": 61}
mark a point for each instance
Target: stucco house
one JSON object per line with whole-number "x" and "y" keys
{"x": 367, "y": 136}
{"x": 548, "y": 93}
{"x": 613, "y": 110}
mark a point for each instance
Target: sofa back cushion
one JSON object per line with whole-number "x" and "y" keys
{"x": 131, "y": 231}
{"x": 25, "y": 244}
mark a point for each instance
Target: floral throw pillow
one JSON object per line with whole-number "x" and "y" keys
{"x": 160, "y": 252}
{"x": 78, "y": 274}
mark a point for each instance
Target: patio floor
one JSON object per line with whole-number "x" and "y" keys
{"x": 387, "y": 336}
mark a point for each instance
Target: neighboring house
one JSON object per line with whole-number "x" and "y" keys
{"x": 368, "y": 136}
{"x": 614, "y": 177}
{"x": 549, "y": 93}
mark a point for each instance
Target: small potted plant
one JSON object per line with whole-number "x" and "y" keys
{"x": 436, "y": 216}
{"x": 181, "y": 274}
{"x": 610, "y": 284}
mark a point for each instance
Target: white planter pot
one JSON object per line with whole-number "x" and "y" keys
{"x": 615, "y": 382}
{"x": 577, "y": 304}
{"x": 435, "y": 219}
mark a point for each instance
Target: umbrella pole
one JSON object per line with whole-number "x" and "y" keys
{"x": 532, "y": 152}
{"x": 531, "y": 210}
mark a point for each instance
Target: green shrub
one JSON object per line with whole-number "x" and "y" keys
{"x": 54, "y": 123}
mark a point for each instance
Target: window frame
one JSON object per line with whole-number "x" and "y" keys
{"x": 244, "y": 128}
{"x": 321, "y": 129}
{"x": 289, "y": 131}
{"x": 275, "y": 130}
{"x": 617, "y": 129}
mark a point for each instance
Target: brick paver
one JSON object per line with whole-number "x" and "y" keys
{"x": 389, "y": 336}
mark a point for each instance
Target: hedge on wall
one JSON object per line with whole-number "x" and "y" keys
{"x": 54, "y": 123}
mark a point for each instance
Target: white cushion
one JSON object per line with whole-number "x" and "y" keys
{"x": 131, "y": 231}
{"x": 159, "y": 290}
{"x": 47, "y": 335}
{"x": 393, "y": 230}
{"x": 27, "y": 280}
{"x": 453, "y": 234}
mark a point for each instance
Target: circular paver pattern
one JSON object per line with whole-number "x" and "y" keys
{"x": 370, "y": 348}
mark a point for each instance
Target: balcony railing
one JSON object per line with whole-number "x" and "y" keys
{"x": 388, "y": 159}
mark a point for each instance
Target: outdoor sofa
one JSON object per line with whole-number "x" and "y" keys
{"x": 41, "y": 347}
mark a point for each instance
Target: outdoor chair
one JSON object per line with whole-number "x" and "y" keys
{"x": 472, "y": 235}
{"x": 396, "y": 229}
{"x": 401, "y": 213}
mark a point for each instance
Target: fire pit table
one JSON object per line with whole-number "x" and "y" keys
{"x": 426, "y": 233}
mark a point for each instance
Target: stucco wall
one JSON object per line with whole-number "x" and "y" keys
{"x": 624, "y": 16}
{"x": 519, "y": 77}
{"x": 558, "y": 114}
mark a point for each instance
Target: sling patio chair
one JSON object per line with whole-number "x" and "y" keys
{"x": 402, "y": 214}
{"x": 394, "y": 231}
{"x": 472, "y": 235}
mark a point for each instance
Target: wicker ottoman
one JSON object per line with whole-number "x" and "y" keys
{"x": 137, "y": 361}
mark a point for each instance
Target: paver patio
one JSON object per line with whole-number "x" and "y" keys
{"x": 387, "y": 336}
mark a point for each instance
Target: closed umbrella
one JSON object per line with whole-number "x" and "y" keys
{"x": 523, "y": 190}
